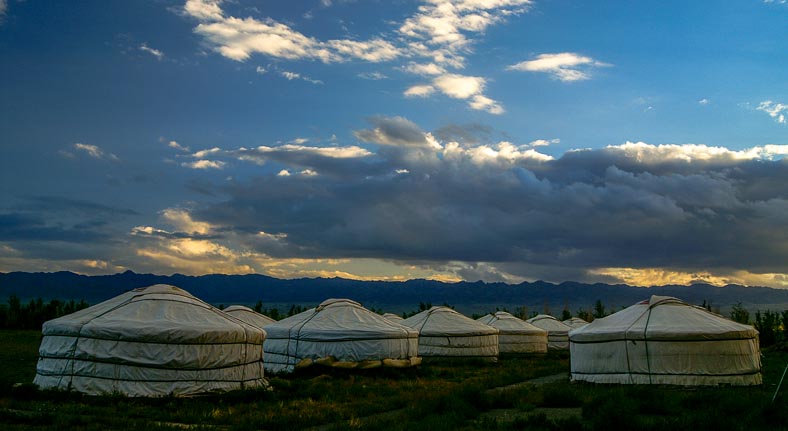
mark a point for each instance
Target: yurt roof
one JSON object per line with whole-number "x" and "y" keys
{"x": 665, "y": 318}
{"x": 392, "y": 316}
{"x": 549, "y": 323}
{"x": 338, "y": 319}
{"x": 149, "y": 314}
{"x": 445, "y": 321}
{"x": 508, "y": 324}
{"x": 249, "y": 316}
{"x": 575, "y": 322}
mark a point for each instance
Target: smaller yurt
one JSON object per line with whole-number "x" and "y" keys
{"x": 152, "y": 341}
{"x": 342, "y": 334}
{"x": 557, "y": 331}
{"x": 393, "y": 317}
{"x": 516, "y": 335}
{"x": 248, "y": 315}
{"x": 444, "y": 332}
{"x": 575, "y": 322}
{"x": 666, "y": 341}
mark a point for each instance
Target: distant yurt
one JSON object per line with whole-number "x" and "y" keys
{"x": 339, "y": 333}
{"x": 557, "y": 331}
{"x": 248, "y": 315}
{"x": 575, "y": 322}
{"x": 444, "y": 332}
{"x": 666, "y": 341}
{"x": 151, "y": 341}
{"x": 516, "y": 335}
{"x": 393, "y": 317}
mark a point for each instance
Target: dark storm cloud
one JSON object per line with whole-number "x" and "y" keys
{"x": 634, "y": 205}
{"x": 24, "y": 227}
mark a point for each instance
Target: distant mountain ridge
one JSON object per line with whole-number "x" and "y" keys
{"x": 467, "y": 297}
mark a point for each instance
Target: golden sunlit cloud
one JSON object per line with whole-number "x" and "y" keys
{"x": 661, "y": 277}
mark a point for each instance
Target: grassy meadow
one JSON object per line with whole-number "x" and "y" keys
{"x": 454, "y": 395}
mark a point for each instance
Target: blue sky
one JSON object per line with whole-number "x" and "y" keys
{"x": 502, "y": 140}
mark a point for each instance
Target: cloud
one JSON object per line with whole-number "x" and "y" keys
{"x": 544, "y": 142}
{"x": 204, "y": 164}
{"x": 91, "y": 150}
{"x": 239, "y": 38}
{"x": 177, "y": 146}
{"x": 777, "y": 111}
{"x": 292, "y": 75}
{"x": 261, "y": 70}
{"x": 372, "y": 76}
{"x": 419, "y": 91}
{"x": 440, "y": 28}
{"x": 505, "y": 211}
{"x": 459, "y": 87}
{"x": 3, "y": 10}
{"x": 154, "y": 52}
{"x": 397, "y": 132}
{"x": 704, "y": 101}
{"x": 424, "y": 69}
{"x": 564, "y": 66}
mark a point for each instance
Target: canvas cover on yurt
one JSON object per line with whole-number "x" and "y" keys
{"x": 666, "y": 341}
{"x": 575, "y": 322}
{"x": 557, "y": 331}
{"x": 248, "y": 315}
{"x": 516, "y": 335}
{"x": 444, "y": 332}
{"x": 151, "y": 341}
{"x": 340, "y": 333}
{"x": 394, "y": 317}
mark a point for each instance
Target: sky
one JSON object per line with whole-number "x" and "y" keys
{"x": 498, "y": 140}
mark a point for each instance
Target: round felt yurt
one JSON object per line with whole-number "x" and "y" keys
{"x": 249, "y": 316}
{"x": 342, "y": 334}
{"x": 516, "y": 335}
{"x": 152, "y": 341}
{"x": 575, "y": 322}
{"x": 393, "y": 317}
{"x": 665, "y": 341}
{"x": 557, "y": 331}
{"x": 444, "y": 332}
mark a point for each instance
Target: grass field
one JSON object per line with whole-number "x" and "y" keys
{"x": 436, "y": 396}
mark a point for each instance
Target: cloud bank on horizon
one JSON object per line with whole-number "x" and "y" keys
{"x": 498, "y": 140}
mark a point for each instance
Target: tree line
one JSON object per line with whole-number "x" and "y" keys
{"x": 16, "y": 315}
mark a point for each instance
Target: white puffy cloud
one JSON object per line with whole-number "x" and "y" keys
{"x": 93, "y": 151}
{"x": 239, "y": 38}
{"x": 419, "y": 91}
{"x": 204, "y": 164}
{"x": 564, "y": 66}
{"x": 777, "y": 111}
{"x": 424, "y": 69}
{"x": 459, "y": 87}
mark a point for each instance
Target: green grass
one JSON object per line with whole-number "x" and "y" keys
{"x": 451, "y": 395}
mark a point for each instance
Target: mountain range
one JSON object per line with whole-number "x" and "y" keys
{"x": 467, "y": 297}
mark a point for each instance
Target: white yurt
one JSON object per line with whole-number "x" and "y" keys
{"x": 444, "y": 332}
{"x": 666, "y": 341}
{"x": 248, "y": 315}
{"x": 393, "y": 317}
{"x": 516, "y": 335}
{"x": 339, "y": 333}
{"x": 557, "y": 331}
{"x": 575, "y": 322}
{"x": 152, "y": 341}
